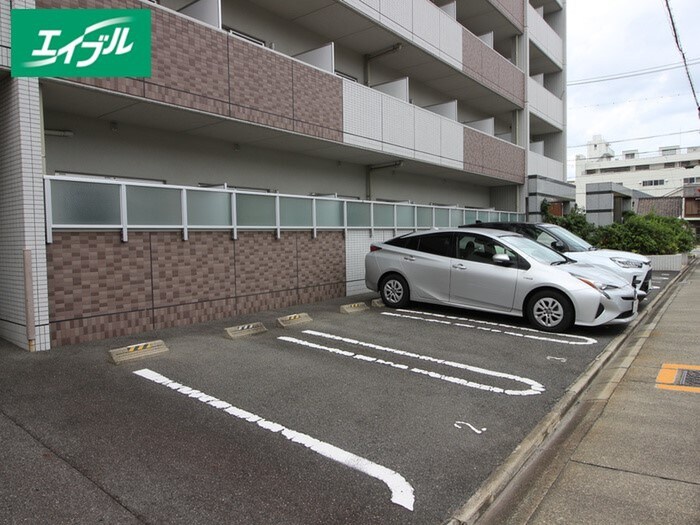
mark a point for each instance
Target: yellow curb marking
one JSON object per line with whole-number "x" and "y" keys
{"x": 668, "y": 375}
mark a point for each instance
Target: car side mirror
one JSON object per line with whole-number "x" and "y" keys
{"x": 502, "y": 259}
{"x": 559, "y": 246}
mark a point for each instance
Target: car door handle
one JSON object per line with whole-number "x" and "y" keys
{"x": 409, "y": 258}
{"x": 459, "y": 266}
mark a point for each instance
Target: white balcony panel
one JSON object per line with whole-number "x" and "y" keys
{"x": 545, "y": 167}
{"x": 362, "y": 116}
{"x": 398, "y": 17}
{"x": 398, "y": 125}
{"x": 545, "y": 105}
{"x": 544, "y": 36}
{"x": 452, "y": 142}
{"x": 450, "y": 40}
{"x": 426, "y": 25}
{"x": 427, "y": 135}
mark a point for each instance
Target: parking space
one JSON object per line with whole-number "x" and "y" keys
{"x": 391, "y": 416}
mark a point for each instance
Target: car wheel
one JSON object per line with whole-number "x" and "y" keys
{"x": 550, "y": 311}
{"x": 394, "y": 291}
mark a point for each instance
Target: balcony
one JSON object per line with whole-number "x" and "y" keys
{"x": 545, "y": 105}
{"x": 544, "y": 166}
{"x": 545, "y": 38}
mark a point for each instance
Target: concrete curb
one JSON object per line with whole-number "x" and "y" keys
{"x": 496, "y": 483}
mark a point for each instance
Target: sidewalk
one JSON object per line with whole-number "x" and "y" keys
{"x": 629, "y": 452}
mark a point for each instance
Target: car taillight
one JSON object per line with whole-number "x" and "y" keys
{"x": 374, "y": 248}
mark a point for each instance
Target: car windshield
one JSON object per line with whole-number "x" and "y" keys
{"x": 535, "y": 250}
{"x": 576, "y": 243}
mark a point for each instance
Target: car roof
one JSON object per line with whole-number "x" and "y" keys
{"x": 462, "y": 229}
{"x": 505, "y": 223}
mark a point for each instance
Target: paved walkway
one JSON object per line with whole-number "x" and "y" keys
{"x": 630, "y": 453}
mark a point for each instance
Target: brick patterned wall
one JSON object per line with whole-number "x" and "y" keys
{"x": 189, "y": 64}
{"x": 493, "y": 157}
{"x": 514, "y": 10}
{"x": 197, "y": 67}
{"x": 261, "y": 86}
{"x": 100, "y": 287}
{"x": 488, "y": 67}
{"x": 318, "y": 103}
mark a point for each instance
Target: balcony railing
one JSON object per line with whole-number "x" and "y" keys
{"x": 545, "y": 37}
{"x": 77, "y": 203}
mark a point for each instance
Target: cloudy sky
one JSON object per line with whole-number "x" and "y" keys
{"x": 612, "y": 37}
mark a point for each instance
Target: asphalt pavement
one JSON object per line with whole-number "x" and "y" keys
{"x": 377, "y": 417}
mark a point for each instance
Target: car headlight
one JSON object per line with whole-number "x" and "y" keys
{"x": 626, "y": 263}
{"x": 600, "y": 286}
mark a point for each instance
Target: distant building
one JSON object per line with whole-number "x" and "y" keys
{"x": 608, "y": 185}
{"x": 656, "y": 174}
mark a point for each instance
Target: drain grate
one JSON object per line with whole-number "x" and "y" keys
{"x": 689, "y": 378}
{"x": 682, "y": 378}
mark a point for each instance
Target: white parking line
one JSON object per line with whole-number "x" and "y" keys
{"x": 401, "y": 490}
{"x": 535, "y": 387}
{"x": 544, "y": 336}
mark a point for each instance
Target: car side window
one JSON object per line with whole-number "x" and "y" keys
{"x": 481, "y": 249}
{"x": 436, "y": 244}
{"x": 545, "y": 238}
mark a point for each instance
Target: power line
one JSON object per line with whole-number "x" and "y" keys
{"x": 635, "y": 73}
{"x": 680, "y": 50}
{"x": 628, "y": 101}
{"x": 641, "y": 138}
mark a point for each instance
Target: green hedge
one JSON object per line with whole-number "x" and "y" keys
{"x": 645, "y": 234}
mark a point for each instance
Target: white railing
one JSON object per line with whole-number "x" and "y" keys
{"x": 545, "y": 104}
{"x": 79, "y": 203}
{"x": 545, "y": 37}
{"x": 540, "y": 165}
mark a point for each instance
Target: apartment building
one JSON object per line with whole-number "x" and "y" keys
{"x": 272, "y": 143}
{"x": 659, "y": 173}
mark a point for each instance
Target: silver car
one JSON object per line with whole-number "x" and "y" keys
{"x": 635, "y": 268}
{"x": 497, "y": 271}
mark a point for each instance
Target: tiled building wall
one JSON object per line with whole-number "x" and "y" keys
{"x": 21, "y": 211}
{"x": 484, "y": 64}
{"x": 100, "y": 287}
{"x": 4, "y": 33}
{"x": 514, "y": 10}
{"x": 357, "y": 244}
{"x": 196, "y": 67}
{"x": 491, "y": 156}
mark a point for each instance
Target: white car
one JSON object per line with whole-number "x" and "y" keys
{"x": 497, "y": 271}
{"x": 634, "y": 268}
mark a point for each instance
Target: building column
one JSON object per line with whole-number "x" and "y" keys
{"x": 24, "y": 305}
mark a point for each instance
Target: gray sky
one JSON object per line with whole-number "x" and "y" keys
{"x": 610, "y": 37}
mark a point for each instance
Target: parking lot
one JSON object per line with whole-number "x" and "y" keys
{"x": 383, "y": 416}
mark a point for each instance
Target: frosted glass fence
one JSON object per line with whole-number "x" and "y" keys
{"x": 77, "y": 203}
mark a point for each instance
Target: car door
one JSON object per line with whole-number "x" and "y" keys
{"x": 427, "y": 267}
{"x": 476, "y": 280}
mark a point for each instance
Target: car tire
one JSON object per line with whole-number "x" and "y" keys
{"x": 550, "y": 311}
{"x": 394, "y": 291}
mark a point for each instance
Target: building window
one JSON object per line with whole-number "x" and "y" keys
{"x": 656, "y": 182}
{"x": 670, "y": 165}
{"x": 615, "y": 170}
{"x": 642, "y": 167}
{"x": 691, "y": 180}
{"x": 591, "y": 172}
